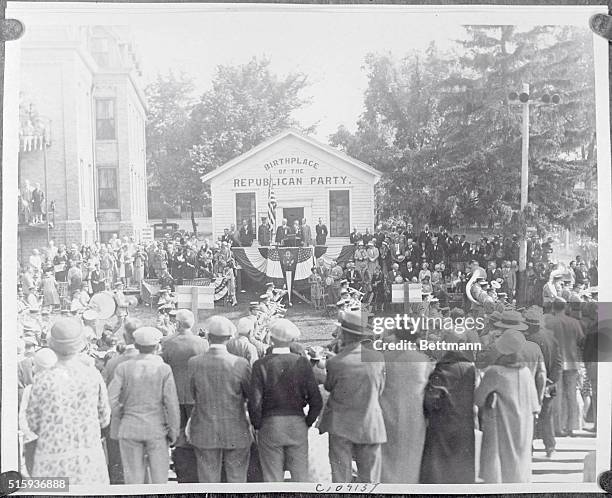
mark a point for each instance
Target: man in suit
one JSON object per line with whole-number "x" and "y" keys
{"x": 263, "y": 232}
{"x": 321, "y": 233}
{"x": 177, "y": 349}
{"x": 246, "y": 234}
{"x": 115, "y": 467}
{"x": 306, "y": 234}
{"x": 353, "y": 416}
{"x": 143, "y": 399}
{"x": 282, "y": 384}
{"x": 219, "y": 429}
{"x": 283, "y": 232}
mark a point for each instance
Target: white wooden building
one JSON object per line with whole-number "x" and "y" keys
{"x": 309, "y": 180}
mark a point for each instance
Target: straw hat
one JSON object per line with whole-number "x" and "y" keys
{"x": 355, "y": 322}
{"x": 511, "y": 320}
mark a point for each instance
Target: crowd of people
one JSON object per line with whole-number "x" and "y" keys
{"x": 228, "y": 404}
{"x": 441, "y": 262}
{"x": 128, "y": 402}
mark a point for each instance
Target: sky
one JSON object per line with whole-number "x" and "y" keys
{"x": 328, "y": 44}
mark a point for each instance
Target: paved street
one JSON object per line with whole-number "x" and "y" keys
{"x": 567, "y": 463}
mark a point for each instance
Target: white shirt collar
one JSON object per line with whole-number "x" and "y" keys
{"x": 218, "y": 346}
{"x": 281, "y": 351}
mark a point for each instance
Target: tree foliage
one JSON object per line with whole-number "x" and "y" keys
{"x": 246, "y": 105}
{"x": 441, "y": 128}
{"x": 187, "y": 137}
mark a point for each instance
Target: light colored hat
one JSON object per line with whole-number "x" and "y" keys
{"x": 220, "y": 326}
{"x": 245, "y": 325}
{"x": 284, "y": 330}
{"x": 355, "y": 322}
{"x": 66, "y": 337}
{"x": 532, "y": 316}
{"x": 511, "y": 320}
{"x": 147, "y": 336}
{"x": 511, "y": 341}
{"x": 495, "y": 284}
{"x": 45, "y": 358}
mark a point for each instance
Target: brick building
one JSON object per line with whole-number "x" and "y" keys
{"x": 82, "y": 107}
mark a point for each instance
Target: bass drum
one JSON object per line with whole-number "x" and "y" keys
{"x": 104, "y": 303}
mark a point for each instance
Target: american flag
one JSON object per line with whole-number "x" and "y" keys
{"x": 271, "y": 206}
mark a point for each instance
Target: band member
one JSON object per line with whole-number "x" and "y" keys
{"x": 121, "y": 304}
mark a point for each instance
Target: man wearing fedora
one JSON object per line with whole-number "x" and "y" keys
{"x": 218, "y": 428}
{"x": 282, "y": 384}
{"x": 353, "y": 416}
{"x": 144, "y": 401}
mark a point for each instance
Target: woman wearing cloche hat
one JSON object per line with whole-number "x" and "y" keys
{"x": 507, "y": 400}
{"x": 68, "y": 407}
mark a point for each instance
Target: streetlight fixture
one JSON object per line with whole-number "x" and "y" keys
{"x": 524, "y": 99}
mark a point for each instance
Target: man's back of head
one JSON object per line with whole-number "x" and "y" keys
{"x": 184, "y": 320}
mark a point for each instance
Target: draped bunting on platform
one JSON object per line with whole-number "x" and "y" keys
{"x": 267, "y": 263}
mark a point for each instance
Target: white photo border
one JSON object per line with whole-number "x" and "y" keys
{"x": 114, "y": 13}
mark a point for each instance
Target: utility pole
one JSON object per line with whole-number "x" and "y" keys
{"x": 524, "y": 100}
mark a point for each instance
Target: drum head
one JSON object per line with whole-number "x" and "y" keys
{"x": 104, "y": 304}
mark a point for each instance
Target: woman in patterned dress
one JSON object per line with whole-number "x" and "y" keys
{"x": 68, "y": 406}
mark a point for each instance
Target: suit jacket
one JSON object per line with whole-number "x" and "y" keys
{"x": 282, "y": 232}
{"x": 108, "y": 373}
{"x": 306, "y": 235}
{"x": 355, "y": 381}
{"x": 176, "y": 351}
{"x": 143, "y": 399}
{"x": 263, "y": 235}
{"x": 321, "y": 231}
{"x": 219, "y": 383}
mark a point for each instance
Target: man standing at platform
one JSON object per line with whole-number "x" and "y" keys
{"x": 306, "y": 234}
{"x": 283, "y": 232}
{"x": 263, "y": 232}
{"x": 246, "y": 234}
{"x": 321, "y": 231}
